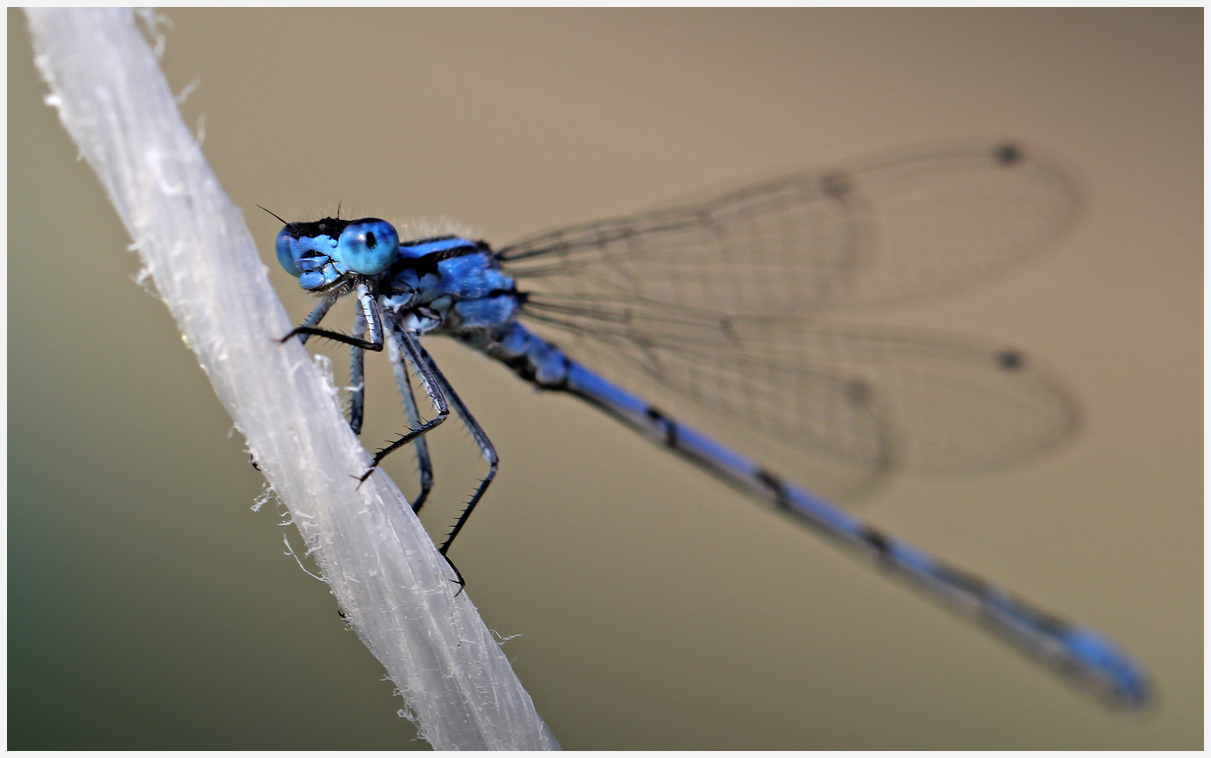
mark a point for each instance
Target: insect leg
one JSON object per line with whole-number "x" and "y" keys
{"x": 316, "y": 316}
{"x": 481, "y": 439}
{"x": 410, "y": 347}
{"x": 421, "y": 446}
{"x": 357, "y": 376}
{"x": 368, "y": 306}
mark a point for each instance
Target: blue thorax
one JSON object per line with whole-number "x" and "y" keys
{"x": 446, "y": 283}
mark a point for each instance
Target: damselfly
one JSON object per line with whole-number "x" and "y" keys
{"x": 719, "y": 307}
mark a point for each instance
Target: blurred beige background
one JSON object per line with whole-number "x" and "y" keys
{"x": 149, "y": 607}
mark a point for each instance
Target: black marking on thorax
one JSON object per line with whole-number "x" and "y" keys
{"x": 427, "y": 264}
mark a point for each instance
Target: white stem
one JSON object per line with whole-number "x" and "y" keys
{"x": 388, "y": 578}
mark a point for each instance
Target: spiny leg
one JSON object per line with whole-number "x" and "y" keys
{"x": 428, "y": 374}
{"x": 481, "y": 439}
{"x": 357, "y": 355}
{"x": 367, "y": 306}
{"x": 421, "y": 445}
{"x": 410, "y": 347}
{"x": 316, "y": 316}
{"x": 357, "y": 376}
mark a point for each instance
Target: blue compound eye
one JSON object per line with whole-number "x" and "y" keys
{"x": 285, "y": 246}
{"x": 368, "y": 245}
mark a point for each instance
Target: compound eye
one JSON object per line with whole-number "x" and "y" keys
{"x": 368, "y": 246}
{"x": 285, "y": 251}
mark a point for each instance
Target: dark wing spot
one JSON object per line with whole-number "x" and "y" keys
{"x": 836, "y": 185}
{"x": 1008, "y": 154}
{"x": 1010, "y": 360}
{"x": 858, "y": 392}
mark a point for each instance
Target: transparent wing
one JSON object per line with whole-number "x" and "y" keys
{"x": 890, "y": 228}
{"x": 718, "y": 302}
{"x": 836, "y": 406}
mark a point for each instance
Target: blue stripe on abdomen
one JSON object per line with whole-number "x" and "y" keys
{"x": 1075, "y": 650}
